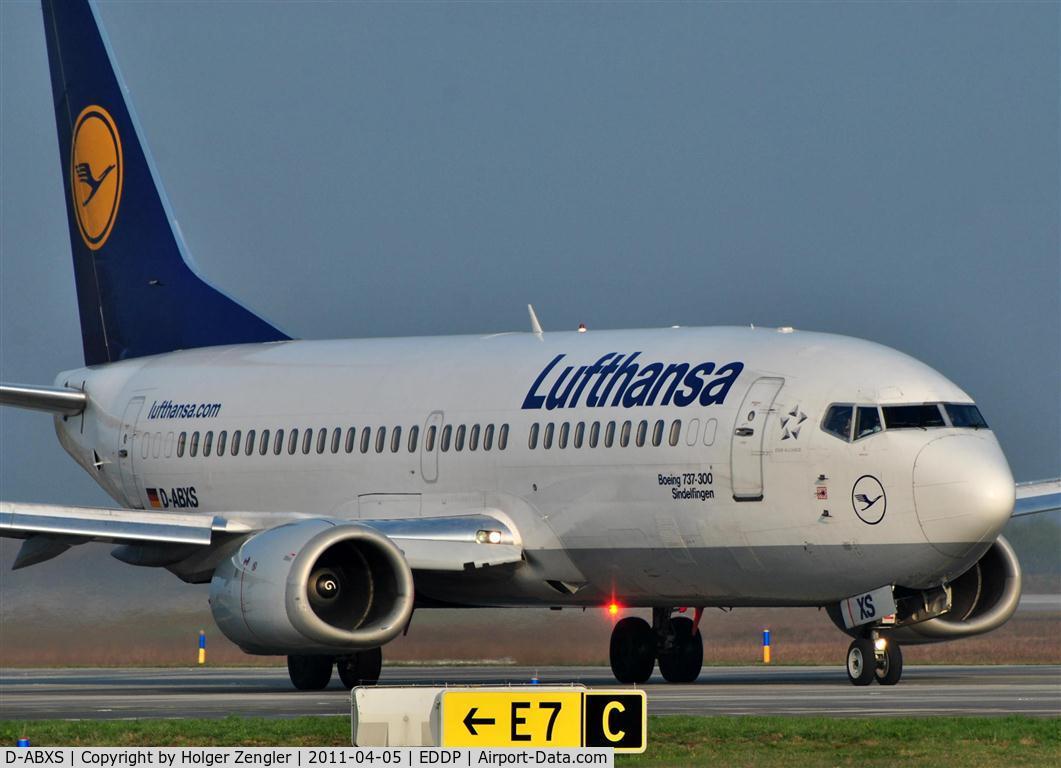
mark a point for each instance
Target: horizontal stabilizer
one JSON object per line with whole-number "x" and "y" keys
{"x": 59, "y": 400}
{"x": 1036, "y": 497}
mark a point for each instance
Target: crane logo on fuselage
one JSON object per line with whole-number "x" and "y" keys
{"x": 869, "y": 500}
{"x": 624, "y": 381}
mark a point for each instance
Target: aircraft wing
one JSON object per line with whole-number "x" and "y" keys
{"x": 429, "y": 544}
{"x": 1038, "y": 496}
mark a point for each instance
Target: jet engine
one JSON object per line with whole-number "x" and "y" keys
{"x": 313, "y": 587}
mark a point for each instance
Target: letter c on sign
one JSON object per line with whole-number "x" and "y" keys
{"x": 608, "y": 709}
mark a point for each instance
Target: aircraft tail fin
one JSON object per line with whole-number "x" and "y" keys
{"x": 137, "y": 290}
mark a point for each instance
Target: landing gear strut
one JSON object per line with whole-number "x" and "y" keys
{"x": 874, "y": 658}
{"x": 675, "y": 642}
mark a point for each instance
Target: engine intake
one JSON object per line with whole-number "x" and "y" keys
{"x": 982, "y": 599}
{"x": 316, "y": 586}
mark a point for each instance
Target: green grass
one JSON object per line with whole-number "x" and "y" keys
{"x": 762, "y": 742}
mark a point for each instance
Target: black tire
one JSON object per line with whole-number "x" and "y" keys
{"x": 861, "y": 662}
{"x": 310, "y": 673}
{"x": 633, "y": 650}
{"x": 362, "y": 668}
{"x": 890, "y": 669}
{"x": 681, "y": 663}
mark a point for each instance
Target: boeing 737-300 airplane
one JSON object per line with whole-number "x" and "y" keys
{"x": 326, "y": 489}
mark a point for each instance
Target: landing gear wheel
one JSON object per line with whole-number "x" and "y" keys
{"x": 681, "y": 663}
{"x": 310, "y": 673}
{"x": 361, "y": 668}
{"x": 861, "y": 663}
{"x": 890, "y": 667}
{"x": 633, "y": 650}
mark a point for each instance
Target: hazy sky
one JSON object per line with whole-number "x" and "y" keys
{"x": 888, "y": 171}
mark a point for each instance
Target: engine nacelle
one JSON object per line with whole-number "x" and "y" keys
{"x": 315, "y": 586}
{"x": 982, "y": 599}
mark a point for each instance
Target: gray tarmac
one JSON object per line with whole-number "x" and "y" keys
{"x": 30, "y": 694}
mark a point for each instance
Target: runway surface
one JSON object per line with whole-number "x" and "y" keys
{"x": 29, "y": 694}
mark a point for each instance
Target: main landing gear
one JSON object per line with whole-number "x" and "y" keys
{"x": 874, "y": 658}
{"x": 313, "y": 673}
{"x": 675, "y": 642}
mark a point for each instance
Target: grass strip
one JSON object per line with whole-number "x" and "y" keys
{"x": 763, "y": 742}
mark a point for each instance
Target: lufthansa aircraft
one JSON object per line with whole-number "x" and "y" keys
{"x": 326, "y": 489}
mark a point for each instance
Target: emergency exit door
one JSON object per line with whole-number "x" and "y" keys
{"x": 746, "y": 452}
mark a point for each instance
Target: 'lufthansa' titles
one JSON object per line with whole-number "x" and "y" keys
{"x": 616, "y": 380}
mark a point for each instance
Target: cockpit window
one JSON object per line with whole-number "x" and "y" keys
{"x": 838, "y": 421}
{"x": 913, "y": 416}
{"x": 965, "y": 415}
{"x": 868, "y": 421}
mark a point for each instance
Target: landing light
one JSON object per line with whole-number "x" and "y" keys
{"x": 880, "y": 644}
{"x": 488, "y": 537}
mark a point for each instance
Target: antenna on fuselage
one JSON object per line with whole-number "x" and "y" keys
{"x": 536, "y": 327}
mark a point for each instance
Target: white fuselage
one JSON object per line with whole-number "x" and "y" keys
{"x": 753, "y": 504}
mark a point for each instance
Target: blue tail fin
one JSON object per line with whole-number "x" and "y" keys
{"x": 137, "y": 292}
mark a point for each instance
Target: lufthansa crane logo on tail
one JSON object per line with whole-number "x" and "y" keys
{"x": 869, "y": 500}
{"x": 96, "y": 174}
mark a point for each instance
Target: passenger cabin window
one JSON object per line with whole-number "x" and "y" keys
{"x": 594, "y": 434}
{"x": 488, "y": 437}
{"x": 263, "y": 443}
{"x": 235, "y": 441}
{"x": 473, "y": 438}
{"x": 350, "y": 434}
{"x": 181, "y": 440}
{"x": 675, "y": 432}
{"x": 502, "y": 437}
{"x": 292, "y": 442}
{"x": 609, "y": 435}
{"x": 547, "y": 439}
{"x": 222, "y": 438}
{"x": 208, "y": 443}
{"x": 868, "y": 421}
{"x": 337, "y": 438}
{"x": 278, "y": 442}
{"x": 430, "y": 438}
{"x": 624, "y": 435}
{"x": 381, "y": 439}
{"x": 642, "y": 431}
{"x": 964, "y": 415}
{"x": 396, "y": 439}
{"x": 532, "y": 438}
{"x": 250, "y": 442}
{"x": 913, "y": 416}
{"x": 447, "y": 436}
{"x": 414, "y": 433}
{"x": 837, "y": 421}
{"x": 322, "y": 440}
{"x": 307, "y": 440}
{"x": 194, "y": 450}
{"x": 657, "y": 433}
{"x": 366, "y": 438}
{"x": 580, "y": 432}
{"x": 458, "y": 442}
{"x": 565, "y": 430}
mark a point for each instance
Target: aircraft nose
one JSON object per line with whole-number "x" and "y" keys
{"x": 963, "y": 491}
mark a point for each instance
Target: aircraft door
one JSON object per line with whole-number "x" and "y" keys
{"x": 746, "y": 447}
{"x": 126, "y": 451}
{"x": 429, "y": 447}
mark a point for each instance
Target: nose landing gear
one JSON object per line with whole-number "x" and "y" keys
{"x": 874, "y": 658}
